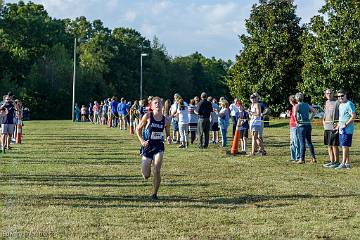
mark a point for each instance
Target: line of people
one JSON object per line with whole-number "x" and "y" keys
{"x": 11, "y": 110}
{"x": 196, "y": 119}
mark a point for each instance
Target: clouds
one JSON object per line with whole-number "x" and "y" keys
{"x": 184, "y": 26}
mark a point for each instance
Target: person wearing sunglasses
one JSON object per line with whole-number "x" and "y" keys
{"x": 345, "y": 126}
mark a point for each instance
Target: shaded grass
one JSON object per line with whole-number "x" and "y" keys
{"x": 80, "y": 181}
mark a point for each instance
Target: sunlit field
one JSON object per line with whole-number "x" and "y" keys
{"x": 81, "y": 181}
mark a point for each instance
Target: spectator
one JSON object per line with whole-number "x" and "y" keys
{"x": 7, "y": 122}
{"x": 83, "y": 111}
{"x": 304, "y": 128}
{"x": 255, "y": 125}
{"x": 90, "y": 112}
{"x": 193, "y": 121}
{"x": 331, "y": 134}
{"x": 214, "y": 121}
{"x": 224, "y": 121}
{"x": 114, "y": 111}
{"x": 234, "y": 113}
{"x": 243, "y": 125}
{"x": 76, "y": 113}
{"x": 134, "y": 114}
{"x": 123, "y": 112}
{"x": 345, "y": 126}
{"x": 294, "y": 138}
{"x": 175, "y": 119}
{"x": 143, "y": 107}
{"x": 183, "y": 116}
{"x": 203, "y": 110}
{"x": 96, "y": 111}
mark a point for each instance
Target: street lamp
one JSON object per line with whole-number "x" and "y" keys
{"x": 76, "y": 40}
{"x": 141, "y": 73}
{"x": 74, "y": 78}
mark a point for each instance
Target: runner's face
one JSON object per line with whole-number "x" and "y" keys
{"x": 156, "y": 104}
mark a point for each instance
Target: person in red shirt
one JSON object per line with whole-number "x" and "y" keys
{"x": 294, "y": 139}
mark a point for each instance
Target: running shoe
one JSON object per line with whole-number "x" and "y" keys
{"x": 154, "y": 197}
{"x": 329, "y": 164}
{"x": 334, "y": 165}
{"x": 341, "y": 166}
{"x": 347, "y": 165}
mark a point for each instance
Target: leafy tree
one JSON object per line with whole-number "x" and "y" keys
{"x": 36, "y": 62}
{"x": 48, "y": 89}
{"x": 331, "y": 52}
{"x": 269, "y": 62}
{"x": 124, "y": 74}
{"x": 194, "y": 74}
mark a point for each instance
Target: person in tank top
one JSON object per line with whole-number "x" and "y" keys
{"x": 150, "y": 133}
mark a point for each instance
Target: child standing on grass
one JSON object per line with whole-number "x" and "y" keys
{"x": 243, "y": 126}
{"x": 83, "y": 113}
{"x": 193, "y": 120}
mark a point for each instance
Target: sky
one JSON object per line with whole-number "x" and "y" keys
{"x": 210, "y": 27}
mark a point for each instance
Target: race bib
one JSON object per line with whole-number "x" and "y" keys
{"x": 157, "y": 136}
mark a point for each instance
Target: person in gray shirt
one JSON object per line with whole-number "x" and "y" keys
{"x": 331, "y": 135}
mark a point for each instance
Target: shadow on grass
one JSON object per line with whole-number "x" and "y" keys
{"x": 100, "y": 161}
{"x": 141, "y": 201}
{"x": 87, "y": 181}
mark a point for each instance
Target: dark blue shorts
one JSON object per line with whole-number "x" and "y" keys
{"x": 152, "y": 149}
{"x": 345, "y": 140}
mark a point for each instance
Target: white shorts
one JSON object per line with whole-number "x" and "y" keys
{"x": 7, "y": 129}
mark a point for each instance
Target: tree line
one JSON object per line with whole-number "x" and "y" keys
{"x": 279, "y": 57}
{"x": 36, "y": 63}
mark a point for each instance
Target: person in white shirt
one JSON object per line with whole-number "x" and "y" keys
{"x": 183, "y": 114}
{"x": 234, "y": 113}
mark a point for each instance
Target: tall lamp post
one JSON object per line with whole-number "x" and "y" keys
{"x": 74, "y": 78}
{"x": 141, "y": 73}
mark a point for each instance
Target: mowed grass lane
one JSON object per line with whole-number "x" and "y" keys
{"x": 81, "y": 181}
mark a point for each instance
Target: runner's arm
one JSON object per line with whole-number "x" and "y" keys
{"x": 140, "y": 127}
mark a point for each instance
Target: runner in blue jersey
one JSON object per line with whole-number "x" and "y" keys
{"x": 150, "y": 133}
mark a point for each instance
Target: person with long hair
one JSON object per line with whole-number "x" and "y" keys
{"x": 294, "y": 138}
{"x": 224, "y": 116}
{"x": 150, "y": 133}
{"x": 255, "y": 125}
{"x": 304, "y": 127}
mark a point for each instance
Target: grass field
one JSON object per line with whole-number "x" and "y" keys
{"x": 80, "y": 181}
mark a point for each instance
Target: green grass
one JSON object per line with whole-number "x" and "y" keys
{"x": 80, "y": 181}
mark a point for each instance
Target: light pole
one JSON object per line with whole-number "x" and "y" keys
{"x": 74, "y": 78}
{"x": 141, "y": 73}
